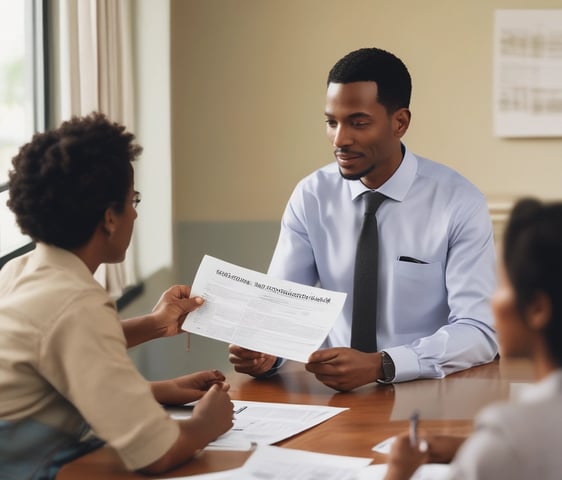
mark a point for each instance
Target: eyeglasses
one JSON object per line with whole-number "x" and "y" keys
{"x": 136, "y": 198}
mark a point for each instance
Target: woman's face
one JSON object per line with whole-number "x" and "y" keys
{"x": 514, "y": 336}
{"x": 124, "y": 221}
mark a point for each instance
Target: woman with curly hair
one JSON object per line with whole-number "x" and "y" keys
{"x": 67, "y": 383}
{"x": 518, "y": 440}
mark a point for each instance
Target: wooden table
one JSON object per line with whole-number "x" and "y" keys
{"x": 375, "y": 412}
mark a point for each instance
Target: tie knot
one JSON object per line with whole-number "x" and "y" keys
{"x": 373, "y": 201}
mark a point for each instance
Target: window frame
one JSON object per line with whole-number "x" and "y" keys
{"x": 37, "y": 34}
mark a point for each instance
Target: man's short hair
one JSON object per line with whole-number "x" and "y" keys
{"x": 376, "y": 65}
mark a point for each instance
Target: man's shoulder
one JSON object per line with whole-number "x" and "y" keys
{"x": 323, "y": 178}
{"x": 440, "y": 171}
{"x": 446, "y": 177}
{"x": 326, "y": 173}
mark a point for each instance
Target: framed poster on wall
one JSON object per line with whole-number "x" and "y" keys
{"x": 528, "y": 73}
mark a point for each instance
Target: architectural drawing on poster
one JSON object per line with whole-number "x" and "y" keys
{"x": 528, "y": 73}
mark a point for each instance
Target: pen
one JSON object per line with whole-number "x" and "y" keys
{"x": 241, "y": 409}
{"x": 414, "y": 418}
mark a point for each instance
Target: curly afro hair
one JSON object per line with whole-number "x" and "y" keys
{"x": 64, "y": 179}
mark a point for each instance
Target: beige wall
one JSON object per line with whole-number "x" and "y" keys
{"x": 248, "y": 84}
{"x": 246, "y": 91}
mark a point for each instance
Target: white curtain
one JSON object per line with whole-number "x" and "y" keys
{"x": 94, "y": 71}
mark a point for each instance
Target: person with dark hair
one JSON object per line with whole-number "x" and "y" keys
{"x": 519, "y": 439}
{"x": 436, "y": 257}
{"x": 68, "y": 385}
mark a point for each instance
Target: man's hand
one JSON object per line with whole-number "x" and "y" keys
{"x": 250, "y": 362}
{"x": 344, "y": 368}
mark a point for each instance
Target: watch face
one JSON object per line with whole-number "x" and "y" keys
{"x": 387, "y": 367}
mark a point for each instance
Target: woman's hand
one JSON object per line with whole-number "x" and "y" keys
{"x": 166, "y": 318}
{"x": 214, "y": 411}
{"x": 212, "y": 416}
{"x": 404, "y": 458}
{"x": 442, "y": 448}
{"x": 186, "y": 389}
{"x": 171, "y": 309}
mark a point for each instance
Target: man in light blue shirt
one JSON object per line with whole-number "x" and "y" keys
{"x": 436, "y": 250}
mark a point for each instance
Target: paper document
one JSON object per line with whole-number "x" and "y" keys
{"x": 429, "y": 471}
{"x": 261, "y": 313}
{"x": 265, "y": 423}
{"x": 224, "y": 475}
{"x": 232, "y": 440}
{"x": 277, "y": 463}
{"x": 384, "y": 446}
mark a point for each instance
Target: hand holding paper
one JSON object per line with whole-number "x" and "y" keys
{"x": 261, "y": 313}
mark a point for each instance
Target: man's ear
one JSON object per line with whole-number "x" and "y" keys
{"x": 539, "y": 312}
{"x": 401, "y": 122}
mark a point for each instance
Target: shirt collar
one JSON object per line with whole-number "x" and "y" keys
{"x": 549, "y": 387}
{"x": 50, "y": 255}
{"x": 397, "y": 186}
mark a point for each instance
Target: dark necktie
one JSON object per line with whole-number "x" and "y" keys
{"x": 364, "y": 324}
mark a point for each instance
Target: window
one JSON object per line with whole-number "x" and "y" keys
{"x": 22, "y": 101}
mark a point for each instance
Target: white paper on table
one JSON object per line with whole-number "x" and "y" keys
{"x": 384, "y": 446}
{"x": 277, "y": 463}
{"x": 265, "y": 423}
{"x": 261, "y": 313}
{"x": 231, "y": 440}
{"x": 429, "y": 471}
{"x": 224, "y": 475}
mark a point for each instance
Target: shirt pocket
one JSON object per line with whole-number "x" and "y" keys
{"x": 419, "y": 297}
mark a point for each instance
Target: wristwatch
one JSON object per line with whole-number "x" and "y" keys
{"x": 388, "y": 369}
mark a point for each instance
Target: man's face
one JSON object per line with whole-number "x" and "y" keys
{"x": 366, "y": 139}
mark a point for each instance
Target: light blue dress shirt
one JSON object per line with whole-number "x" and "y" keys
{"x": 433, "y": 318}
